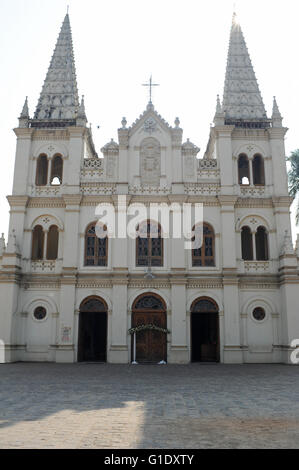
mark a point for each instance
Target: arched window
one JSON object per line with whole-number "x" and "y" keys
{"x": 205, "y": 255}
{"x": 56, "y": 170}
{"x": 243, "y": 169}
{"x": 41, "y": 171}
{"x": 52, "y": 243}
{"x": 258, "y": 170}
{"x": 96, "y": 249}
{"x": 246, "y": 241}
{"x": 37, "y": 243}
{"x": 261, "y": 243}
{"x": 149, "y": 244}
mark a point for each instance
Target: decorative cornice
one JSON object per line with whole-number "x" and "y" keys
{"x": 18, "y": 201}
{"x": 45, "y": 202}
{"x": 72, "y": 199}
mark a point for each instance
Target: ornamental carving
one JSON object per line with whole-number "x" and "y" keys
{"x": 150, "y": 125}
{"x": 149, "y": 302}
{"x": 150, "y": 161}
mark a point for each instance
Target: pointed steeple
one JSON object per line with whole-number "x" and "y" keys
{"x": 242, "y": 100}
{"x": 59, "y": 99}
{"x": 81, "y": 118}
{"x": 219, "y": 115}
{"x": 276, "y": 116}
{"x": 24, "y": 117}
{"x": 25, "y": 110}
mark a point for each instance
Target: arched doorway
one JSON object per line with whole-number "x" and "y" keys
{"x": 204, "y": 331}
{"x": 151, "y": 345}
{"x": 92, "y": 337}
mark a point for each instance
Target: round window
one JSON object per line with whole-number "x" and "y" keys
{"x": 40, "y": 313}
{"x": 259, "y": 314}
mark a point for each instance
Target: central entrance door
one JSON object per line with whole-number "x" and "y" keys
{"x": 204, "y": 331}
{"x": 151, "y": 345}
{"x": 92, "y": 338}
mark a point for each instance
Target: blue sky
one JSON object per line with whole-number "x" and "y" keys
{"x": 119, "y": 44}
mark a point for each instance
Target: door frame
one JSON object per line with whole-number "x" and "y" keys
{"x": 161, "y": 311}
{"x": 218, "y": 359}
{"x": 100, "y": 312}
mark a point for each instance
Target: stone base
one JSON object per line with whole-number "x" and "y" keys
{"x": 178, "y": 355}
{"x": 7, "y": 353}
{"x": 65, "y": 354}
{"x": 232, "y": 355}
{"x": 290, "y": 356}
{"x": 118, "y": 355}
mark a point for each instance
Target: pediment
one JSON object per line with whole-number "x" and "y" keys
{"x": 150, "y": 122}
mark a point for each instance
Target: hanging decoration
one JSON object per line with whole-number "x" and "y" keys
{"x": 149, "y": 326}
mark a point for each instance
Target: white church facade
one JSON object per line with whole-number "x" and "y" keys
{"x": 67, "y": 295}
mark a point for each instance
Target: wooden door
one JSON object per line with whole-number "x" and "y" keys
{"x": 151, "y": 345}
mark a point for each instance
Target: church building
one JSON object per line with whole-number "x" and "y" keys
{"x": 69, "y": 295}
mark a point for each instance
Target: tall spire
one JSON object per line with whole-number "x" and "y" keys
{"x": 59, "y": 99}
{"x": 242, "y": 100}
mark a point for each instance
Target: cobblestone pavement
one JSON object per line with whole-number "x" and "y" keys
{"x": 163, "y": 406}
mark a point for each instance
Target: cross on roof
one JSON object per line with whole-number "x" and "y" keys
{"x": 150, "y": 85}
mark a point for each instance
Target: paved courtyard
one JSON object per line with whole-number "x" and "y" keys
{"x": 163, "y": 406}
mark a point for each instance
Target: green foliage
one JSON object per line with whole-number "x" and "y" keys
{"x": 293, "y": 175}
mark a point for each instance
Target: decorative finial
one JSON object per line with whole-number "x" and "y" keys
{"x": 287, "y": 247}
{"x": 235, "y": 17}
{"x": 276, "y": 116}
{"x": 218, "y": 105}
{"x": 124, "y": 123}
{"x": 81, "y": 118}
{"x": 177, "y": 123}
{"x": 2, "y": 244}
{"x": 219, "y": 115}
{"x": 24, "y": 117}
{"x": 12, "y": 243}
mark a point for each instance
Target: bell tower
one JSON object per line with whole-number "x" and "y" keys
{"x": 50, "y": 150}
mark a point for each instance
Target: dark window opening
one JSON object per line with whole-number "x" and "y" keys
{"x": 243, "y": 169}
{"x": 41, "y": 171}
{"x": 247, "y": 246}
{"x": 261, "y": 242}
{"x": 258, "y": 170}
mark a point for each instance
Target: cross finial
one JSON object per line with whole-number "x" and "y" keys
{"x": 150, "y": 85}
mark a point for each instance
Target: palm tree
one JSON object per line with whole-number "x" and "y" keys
{"x": 293, "y": 175}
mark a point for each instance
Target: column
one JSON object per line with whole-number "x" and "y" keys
{"x": 179, "y": 350}
{"x": 65, "y": 349}
{"x": 232, "y": 345}
{"x": 118, "y": 351}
